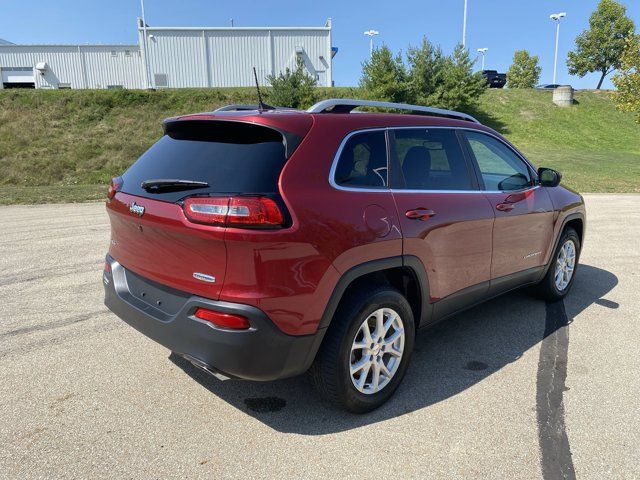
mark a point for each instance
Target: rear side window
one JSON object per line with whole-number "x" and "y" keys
{"x": 501, "y": 169}
{"x": 431, "y": 159}
{"x": 232, "y": 157}
{"x": 363, "y": 161}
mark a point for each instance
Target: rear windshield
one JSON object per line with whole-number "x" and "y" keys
{"x": 232, "y": 157}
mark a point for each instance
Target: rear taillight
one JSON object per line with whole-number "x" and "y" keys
{"x": 234, "y": 211}
{"x": 222, "y": 320}
{"x": 114, "y": 187}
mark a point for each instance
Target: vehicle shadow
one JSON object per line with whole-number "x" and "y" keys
{"x": 489, "y": 120}
{"x": 447, "y": 360}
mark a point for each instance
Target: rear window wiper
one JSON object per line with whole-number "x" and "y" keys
{"x": 173, "y": 184}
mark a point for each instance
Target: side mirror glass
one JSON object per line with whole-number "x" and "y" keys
{"x": 549, "y": 177}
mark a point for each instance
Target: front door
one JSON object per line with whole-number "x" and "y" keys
{"x": 524, "y": 213}
{"x": 446, "y": 220}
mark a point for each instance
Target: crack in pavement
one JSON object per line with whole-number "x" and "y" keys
{"x": 555, "y": 451}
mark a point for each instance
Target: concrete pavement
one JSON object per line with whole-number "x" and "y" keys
{"x": 84, "y": 395}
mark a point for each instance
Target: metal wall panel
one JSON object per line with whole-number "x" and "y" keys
{"x": 225, "y": 57}
{"x": 232, "y": 56}
{"x": 188, "y": 57}
{"x": 316, "y": 52}
{"x": 81, "y": 66}
{"x": 179, "y": 55}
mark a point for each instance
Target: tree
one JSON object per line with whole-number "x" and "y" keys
{"x": 458, "y": 86}
{"x": 627, "y": 81}
{"x": 443, "y": 81}
{"x": 292, "y": 89}
{"x": 432, "y": 78}
{"x": 599, "y": 49}
{"x": 524, "y": 72}
{"x": 426, "y": 65}
{"x": 384, "y": 77}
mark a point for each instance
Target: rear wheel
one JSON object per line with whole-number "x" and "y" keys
{"x": 366, "y": 351}
{"x": 559, "y": 278}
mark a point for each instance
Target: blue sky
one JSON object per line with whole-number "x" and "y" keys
{"x": 503, "y": 26}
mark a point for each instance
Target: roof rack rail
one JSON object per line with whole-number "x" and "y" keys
{"x": 236, "y": 108}
{"x": 346, "y": 105}
{"x": 247, "y": 107}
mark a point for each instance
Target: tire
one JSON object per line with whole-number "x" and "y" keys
{"x": 549, "y": 289}
{"x": 331, "y": 370}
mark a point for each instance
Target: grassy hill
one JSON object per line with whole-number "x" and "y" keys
{"x": 596, "y": 147}
{"x": 69, "y": 144}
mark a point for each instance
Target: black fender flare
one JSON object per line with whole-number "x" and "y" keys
{"x": 358, "y": 271}
{"x": 567, "y": 219}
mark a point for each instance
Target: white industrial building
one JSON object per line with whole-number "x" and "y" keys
{"x": 172, "y": 57}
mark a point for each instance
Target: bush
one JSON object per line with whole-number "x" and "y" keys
{"x": 292, "y": 89}
{"x": 524, "y": 72}
{"x": 384, "y": 77}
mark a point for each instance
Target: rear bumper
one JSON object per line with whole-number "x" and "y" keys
{"x": 263, "y": 352}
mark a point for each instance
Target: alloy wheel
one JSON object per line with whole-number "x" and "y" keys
{"x": 565, "y": 265}
{"x": 377, "y": 350}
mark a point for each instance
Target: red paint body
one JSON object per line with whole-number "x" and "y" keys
{"x": 291, "y": 273}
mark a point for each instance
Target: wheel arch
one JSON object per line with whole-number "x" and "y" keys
{"x": 575, "y": 221}
{"x": 405, "y": 273}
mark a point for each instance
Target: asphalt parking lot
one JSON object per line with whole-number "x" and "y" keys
{"x": 510, "y": 389}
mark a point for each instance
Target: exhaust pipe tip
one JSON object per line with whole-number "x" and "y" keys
{"x": 200, "y": 365}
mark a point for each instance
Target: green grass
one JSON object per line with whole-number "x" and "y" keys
{"x": 65, "y": 145}
{"x": 596, "y": 147}
{"x": 12, "y": 195}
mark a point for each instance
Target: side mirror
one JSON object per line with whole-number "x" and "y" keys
{"x": 549, "y": 177}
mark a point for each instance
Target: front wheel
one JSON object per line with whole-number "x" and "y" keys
{"x": 559, "y": 278}
{"x": 366, "y": 351}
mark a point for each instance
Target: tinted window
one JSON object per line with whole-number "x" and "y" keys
{"x": 431, "y": 159}
{"x": 500, "y": 167}
{"x": 363, "y": 161}
{"x": 230, "y": 157}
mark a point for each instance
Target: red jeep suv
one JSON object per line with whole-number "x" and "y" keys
{"x": 261, "y": 244}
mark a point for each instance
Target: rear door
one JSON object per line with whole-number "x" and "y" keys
{"x": 150, "y": 234}
{"x": 446, "y": 221}
{"x": 524, "y": 213}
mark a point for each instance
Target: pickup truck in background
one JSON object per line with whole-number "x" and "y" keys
{"x": 495, "y": 79}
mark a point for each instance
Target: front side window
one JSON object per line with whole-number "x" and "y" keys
{"x": 431, "y": 159}
{"x": 501, "y": 169}
{"x": 363, "y": 161}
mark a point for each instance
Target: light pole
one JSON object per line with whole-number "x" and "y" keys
{"x": 147, "y": 71}
{"x": 556, "y": 18}
{"x": 371, "y": 34}
{"x": 483, "y": 52}
{"x": 464, "y": 25}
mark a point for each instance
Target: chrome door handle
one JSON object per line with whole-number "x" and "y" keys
{"x": 420, "y": 214}
{"x": 505, "y": 207}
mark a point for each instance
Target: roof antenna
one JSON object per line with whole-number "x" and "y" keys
{"x": 261, "y": 105}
